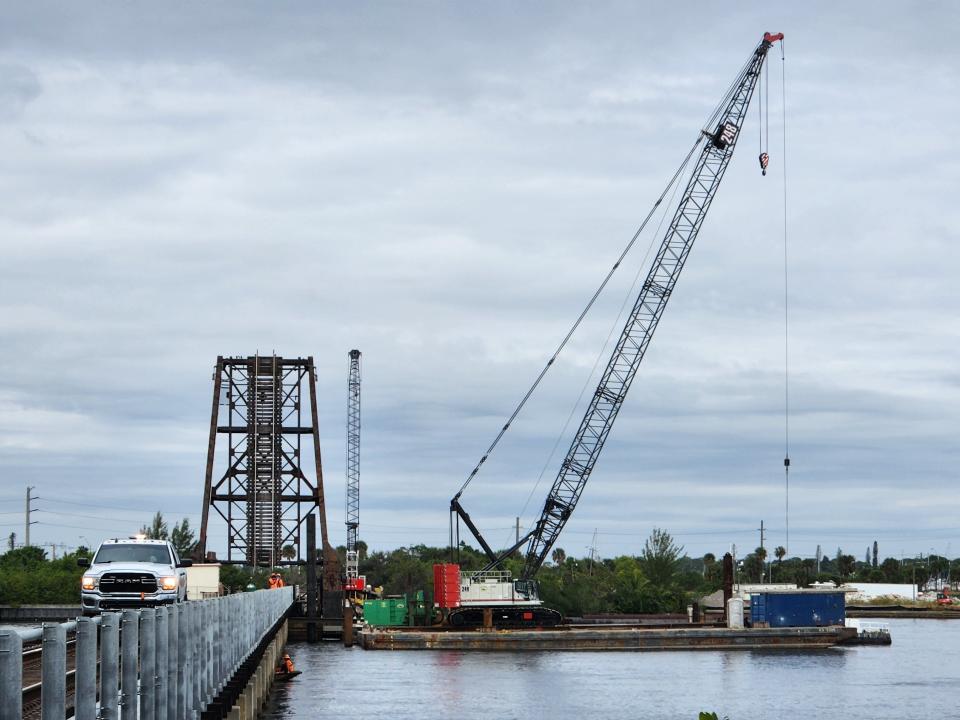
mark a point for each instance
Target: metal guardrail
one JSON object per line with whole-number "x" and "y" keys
{"x": 165, "y": 663}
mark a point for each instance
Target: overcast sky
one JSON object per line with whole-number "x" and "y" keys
{"x": 443, "y": 186}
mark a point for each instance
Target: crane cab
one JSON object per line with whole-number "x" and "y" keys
{"x": 494, "y": 588}
{"x": 463, "y": 597}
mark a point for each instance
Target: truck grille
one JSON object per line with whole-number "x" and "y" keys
{"x": 114, "y": 583}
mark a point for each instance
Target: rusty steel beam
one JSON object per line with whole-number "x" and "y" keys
{"x": 331, "y": 564}
{"x": 201, "y": 551}
{"x": 263, "y": 492}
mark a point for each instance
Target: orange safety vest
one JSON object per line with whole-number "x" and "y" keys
{"x": 275, "y": 582}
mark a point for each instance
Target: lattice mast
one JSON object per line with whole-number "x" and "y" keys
{"x": 353, "y": 465}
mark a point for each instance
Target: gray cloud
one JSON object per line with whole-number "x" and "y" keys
{"x": 443, "y": 187}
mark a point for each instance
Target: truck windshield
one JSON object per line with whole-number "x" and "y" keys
{"x": 133, "y": 553}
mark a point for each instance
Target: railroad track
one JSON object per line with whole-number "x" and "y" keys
{"x": 33, "y": 676}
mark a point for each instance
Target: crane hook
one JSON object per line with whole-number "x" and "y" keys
{"x": 764, "y": 161}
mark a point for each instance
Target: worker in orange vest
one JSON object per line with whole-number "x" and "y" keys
{"x": 275, "y": 581}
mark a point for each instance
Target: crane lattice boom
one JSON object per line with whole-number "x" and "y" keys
{"x": 715, "y": 155}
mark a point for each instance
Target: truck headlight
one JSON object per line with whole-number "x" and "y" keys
{"x": 169, "y": 582}
{"x": 89, "y": 583}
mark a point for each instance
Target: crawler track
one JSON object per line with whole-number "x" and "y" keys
{"x": 506, "y": 617}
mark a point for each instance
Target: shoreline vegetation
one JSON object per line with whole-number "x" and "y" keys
{"x": 662, "y": 579}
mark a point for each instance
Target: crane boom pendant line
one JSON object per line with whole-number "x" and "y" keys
{"x": 786, "y": 307}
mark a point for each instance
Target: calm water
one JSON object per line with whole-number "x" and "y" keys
{"x": 917, "y": 677}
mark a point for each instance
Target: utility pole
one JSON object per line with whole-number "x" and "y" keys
{"x": 736, "y": 573}
{"x": 763, "y": 565}
{"x": 12, "y": 540}
{"x": 518, "y": 530}
{"x": 27, "y": 521}
{"x": 594, "y": 555}
{"x": 819, "y": 555}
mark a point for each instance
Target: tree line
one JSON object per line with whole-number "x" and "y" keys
{"x": 29, "y": 577}
{"x": 663, "y": 578}
{"x": 840, "y": 568}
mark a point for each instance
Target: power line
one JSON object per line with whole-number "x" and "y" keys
{"x": 112, "y": 507}
{"x": 79, "y": 527}
{"x": 80, "y": 515}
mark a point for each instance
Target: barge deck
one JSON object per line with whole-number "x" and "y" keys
{"x": 635, "y": 639}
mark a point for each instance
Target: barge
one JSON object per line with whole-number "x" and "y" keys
{"x": 622, "y": 638}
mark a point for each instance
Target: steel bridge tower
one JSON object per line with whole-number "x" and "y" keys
{"x": 265, "y": 411}
{"x": 353, "y": 466}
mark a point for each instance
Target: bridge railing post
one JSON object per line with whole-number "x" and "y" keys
{"x": 207, "y": 630}
{"x": 85, "y": 679}
{"x": 11, "y": 672}
{"x": 160, "y": 702}
{"x": 173, "y": 617}
{"x": 197, "y": 689}
{"x": 192, "y": 676}
{"x": 109, "y": 665}
{"x": 183, "y": 662}
{"x": 129, "y": 645}
{"x": 53, "y": 691}
{"x": 148, "y": 663}
{"x": 216, "y": 646}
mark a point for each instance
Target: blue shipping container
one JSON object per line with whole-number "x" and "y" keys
{"x": 797, "y": 609}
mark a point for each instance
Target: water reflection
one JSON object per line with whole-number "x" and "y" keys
{"x": 912, "y": 678}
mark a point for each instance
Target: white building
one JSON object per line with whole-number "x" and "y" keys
{"x": 203, "y": 581}
{"x": 862, "y": 592}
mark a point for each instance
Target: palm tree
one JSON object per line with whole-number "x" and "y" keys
{"x": 558, "y": 556}
{"x": 761, "y": 554}
{"x": 780, "y": 552}
{"x": 289, "y": 552}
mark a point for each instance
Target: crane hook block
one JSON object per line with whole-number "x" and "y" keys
{"x": 772, "y": 37}
{"x": 764, "y": 161}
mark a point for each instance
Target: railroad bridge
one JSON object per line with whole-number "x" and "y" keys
{"x": 201, "y": 659}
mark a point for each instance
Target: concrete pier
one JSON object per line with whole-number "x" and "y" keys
{"x": 254, "y": 695}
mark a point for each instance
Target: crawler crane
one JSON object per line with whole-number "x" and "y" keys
{"x": 466, "y": 597}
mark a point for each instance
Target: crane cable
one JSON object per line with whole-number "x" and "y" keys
{"x": 603, "y": 351}
{"x": 711, "y": 120}
{"x": 786, "y": 306}
{"x": 582, "y": 315}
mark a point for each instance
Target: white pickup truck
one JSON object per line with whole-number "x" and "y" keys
{"x": 132, "y": 573}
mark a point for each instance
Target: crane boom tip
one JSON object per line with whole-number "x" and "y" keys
{"x": 772, "y": 37}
